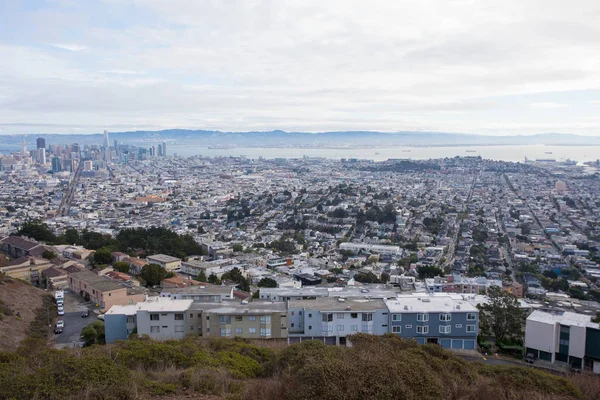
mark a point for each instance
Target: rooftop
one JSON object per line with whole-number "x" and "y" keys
{"x": 163, "y": 304}
{"x": 236, "y": 307}
{"x": 163, "y": 258}
{"x": 427, "y": 303}
{"x": 333, "y": 304}
{"x": 97, "y": 282}
{"x": 563, "y": 318}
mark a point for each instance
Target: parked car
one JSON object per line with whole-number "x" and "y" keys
{"x": 60, "y": 325}
{"x": 85, "y": 313}
{"x": 529, "y": 358}
{"x": 58, "y": 330}
{"x": 61, "y": 310}
{"x": 101, "y": 317}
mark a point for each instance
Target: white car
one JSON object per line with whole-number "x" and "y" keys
{"x": 61, "y": 310}
{"x": 60, "y": 324}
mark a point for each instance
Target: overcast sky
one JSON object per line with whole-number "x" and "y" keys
{"x": 490, "y": 67}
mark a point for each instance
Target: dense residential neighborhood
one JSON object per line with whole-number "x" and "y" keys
{"x": 291, "y": 250}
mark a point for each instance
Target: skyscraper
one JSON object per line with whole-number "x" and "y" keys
{"x": 160, "y": 150}
{"x": 106, "y": 147}
{"x": 164, "y": 149}
{"x": 42, "y": 155}
{"x": 41, "y": 143}
{"x": 56, "y": 164}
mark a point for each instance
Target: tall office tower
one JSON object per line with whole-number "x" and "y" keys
{"x": 42, "y": 155}
{"x": 106, "y": 142}
{"x": 58, "y": 151}
{"x": 56, "y": 164}
{"x": 24, "y": 148}
{"x": 41, "y": 143}
{"x": 75, "y": 148}
{"x": 88, "y": 165}
{"x": 160, "y": 150}
{"x": 116, "y": 143}
{"x": 164, "y": 149}
{"x": 52, "y": 148}
{"x": 152, "y": 151}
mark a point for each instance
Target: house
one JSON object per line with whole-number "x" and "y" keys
{"x": 515, "y": 288}
{"x": 162, "y": 319}
{"x": 167, "y": 262}
{"x": 117, "y": 256}
{"x": 135, "y": 265}
{"x": 16, "y": 246}
{"x": 564, "y": 337}
{"x": 178, "y": 282}
{"x": 56, "y": 278}
{"x": 102, "y": 291}
{"x": 443, "y": 320}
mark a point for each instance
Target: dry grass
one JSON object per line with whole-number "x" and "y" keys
{"x": 588, "y": 384}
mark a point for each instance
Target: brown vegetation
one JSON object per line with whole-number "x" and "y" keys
{"x": 374, "y": 368}
{"x": 23, "y": 312}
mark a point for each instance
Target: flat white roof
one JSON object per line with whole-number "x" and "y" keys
{"x": 123, "y": 310}
{"x": 164, "y": 304}
{"x": 563, "y": 318}
{"x": 426, "y": 303}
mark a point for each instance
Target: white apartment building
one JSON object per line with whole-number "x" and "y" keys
{"x": 162, "y": 318}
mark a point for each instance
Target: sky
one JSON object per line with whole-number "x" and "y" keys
{"x": 486, "y": 67}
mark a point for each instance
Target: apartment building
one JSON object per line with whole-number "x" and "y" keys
{"x": 372, "y": 248}
{"x": 443, "y": 320}
{"x": 29, "y": 269}
{"x": 167, "y": 262}
{"x": 332, "y": 319}
{"x": 102, "y": 291}
{"x": 311, "y": 292}
{"x": 16, "y": 246}
{"x": 162, "y": 318}
{"x": 564, "y": 337}
{"x": 216, "y": 267}
{"x": 254, "y": 320}
{"x": 205, "y": 293}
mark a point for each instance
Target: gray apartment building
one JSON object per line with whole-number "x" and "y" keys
{"x": 447, "y": 321}
{"x": 200, "y": 294}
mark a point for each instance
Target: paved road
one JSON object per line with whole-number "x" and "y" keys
{"x": 74, "y": 323}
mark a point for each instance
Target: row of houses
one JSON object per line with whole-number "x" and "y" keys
{"x": 448, "y": 321}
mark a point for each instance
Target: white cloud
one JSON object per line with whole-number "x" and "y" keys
{"x": 305, "y": 65}
{"x": 69, "y": 46}
{"x": 544, "y": 105}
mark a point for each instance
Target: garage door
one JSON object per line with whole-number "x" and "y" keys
{"x": 445, "y": 343}
{"x": 457, "y": 344}
{"x": 469, "y": 344}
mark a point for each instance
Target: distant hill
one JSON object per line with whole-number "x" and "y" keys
{"x": 322, "y": 139}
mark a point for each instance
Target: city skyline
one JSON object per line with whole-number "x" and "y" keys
{"x": 462, "y": 66}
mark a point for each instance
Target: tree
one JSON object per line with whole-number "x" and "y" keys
{"x": 93, "y": 333}
{"x": 429, "y": 271}
{"x": 502, "y": 316}
{"x": 369, "y": 277}
{"x": 121, "y": 267}
{"x": 49, "y": 254}
{"x": 201, "y": 276}
{"x": 267, "y": 282}
{"x": 153, "y": 274}
{"x": 102, "y": 256}
{"x": 235, "y": 275}
{"x": 214, "y": 279}
{"x": 238, "y": 248}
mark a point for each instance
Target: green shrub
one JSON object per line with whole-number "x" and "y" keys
{"x": 159, "y": 388}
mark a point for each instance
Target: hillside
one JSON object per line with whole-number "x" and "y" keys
{"x": 374, "y": 368}
{"x": 23, "y": 312}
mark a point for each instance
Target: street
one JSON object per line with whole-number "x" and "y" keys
{"x": 74, "y": 323}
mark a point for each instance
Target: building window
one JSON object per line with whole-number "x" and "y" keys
{"x": 367, "y": 328}
{"x": 239, "y": 331}
{"x": 225, "y": 332}
{"x": 179, "y": 328}
{"x": 422, "y": 317}
{"x": 292, "y": 312}
{"x": 238, "y": 318}
{"x": 470, "y": 328}
{"x": 396, "y": 317}
{"x": 327, "y": 328}
{"x": 340, "y": 328}
{"x": 310, "y": 327}
{"x": 353, "y": 328}
{"x": 131, "y": 320}
{"x": 445, "y": 317}
{"x": 458, "y": 326}
{"x": 309, "y": 315}
{"x": 423, "y": 329}
{"x": 445, "y": 329}
{"x": 191, "y": 327}
{"x": 251, "y": 330}
{"x": 265, "y": 332}
{"x": 252, "y": 318}
{"x": 178, "y": 317}
{"x": 164, "y": 314}
{"x": 155, "y": 329}
{"x": 353, "y": 315}
{"x": 396, "y": 329}
{"x": 367, "y": 317}
{"x": 191, "y": 315}
{"x": 225, "y": 319}
{"x": 165, "y": 326}
{"x": 471, "y": 316}
{"x": 327, "y": 317}
{"x": 299, "y": 312}
{"x": 154, "y": 317}
{"x": 265, "y": 319}
{"x": 339, "y": 315}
